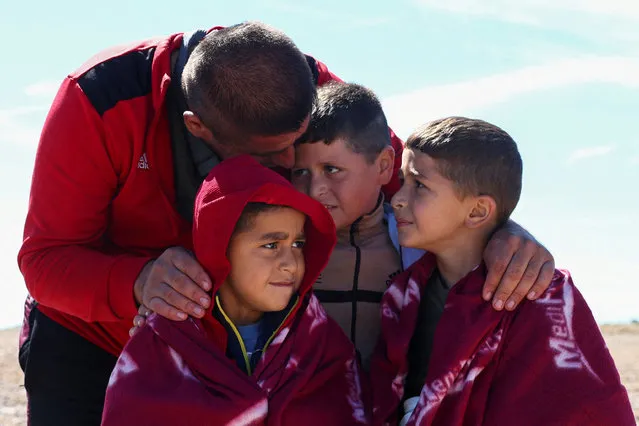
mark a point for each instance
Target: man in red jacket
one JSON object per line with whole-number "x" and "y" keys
{"x": 128, "y": 140}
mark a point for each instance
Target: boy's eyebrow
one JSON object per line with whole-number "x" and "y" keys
{"x": 414, "y": 172}
{"x": 277, "y": 236}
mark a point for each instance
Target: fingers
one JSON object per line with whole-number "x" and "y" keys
{"x": 524, "y": 287}
{"x": 162, "y": 308}
{"x": 186, "y": 263}
{"x": 519, "y": 277}
{"x": 497, "y": 256}
{"x": 170, "y": 292}
{"x": 143, "y": 312}
{"x": 184, "y": 294}
{"x": 543, "y": 280}
{"x": 139, "y": 320}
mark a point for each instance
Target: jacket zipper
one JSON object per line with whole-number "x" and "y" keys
{"x": 247, "y": 361}
{"x": 355, "y": 288}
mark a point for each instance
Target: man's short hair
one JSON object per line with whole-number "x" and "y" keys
{"x": 248, "y": 79}
{"x": 478, "y": 157}
{"x": 350, "y": 112}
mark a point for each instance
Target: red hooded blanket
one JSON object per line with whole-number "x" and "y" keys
{"x": 544, "y": 364}
{"x": 177, "y": 373}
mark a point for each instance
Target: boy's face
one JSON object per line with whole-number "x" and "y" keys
{"x": 430, "y": 215}
{"x": 267, "y": 263}
{"x": 343, "y": 181}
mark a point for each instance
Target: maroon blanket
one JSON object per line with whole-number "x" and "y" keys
{"x": 177, "y": 373}
{"x": 544, "y": 364}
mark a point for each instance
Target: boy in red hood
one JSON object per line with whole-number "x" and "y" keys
{"x": 444, "y": 354}
{"x": 266, "y": 353}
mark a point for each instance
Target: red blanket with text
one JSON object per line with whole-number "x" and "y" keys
{"x": 177, "y": 373}
{"x": 544, "y": 364}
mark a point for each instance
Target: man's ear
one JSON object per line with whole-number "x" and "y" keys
{"x": 482, "y": 211}
{"x": 385, "y": 164}
{"x": 195, "y": 126}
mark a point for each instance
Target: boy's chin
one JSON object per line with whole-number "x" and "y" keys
{"x": 405, "y": 240}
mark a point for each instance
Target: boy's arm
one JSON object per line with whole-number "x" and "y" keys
{"x": 324, "y": 76}
{"x": 555, "y": 367}
{"x": 518, "y": 267}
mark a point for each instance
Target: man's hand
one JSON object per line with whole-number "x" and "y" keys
{"x": 518, "y": 267}
{"x": 140, "y": 319}
{"x": 174, "y": 286}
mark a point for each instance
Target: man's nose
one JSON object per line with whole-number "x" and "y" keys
{"x": 285, "y": 158}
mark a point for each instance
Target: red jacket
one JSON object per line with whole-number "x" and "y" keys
{"x": 544, "y": 364}
{"x": 174, "y": 373}
{"x": 102, "y": 198}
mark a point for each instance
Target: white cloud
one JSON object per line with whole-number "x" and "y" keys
{"x": 46, "y": 89}
{"x": 409, "y": 110}
{"x": 22, "y": 125}
{"x": 589, "y": 152}
{"x": 610, "y": 22}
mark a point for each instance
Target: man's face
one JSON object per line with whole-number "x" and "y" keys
{"x": 267, "y": 264}
{"x": 343, "y": 181}
{"x": 272, "y": 151}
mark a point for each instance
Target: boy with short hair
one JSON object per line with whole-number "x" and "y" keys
{"x": 447, "y": 356}
{"x": 342, "y": 161}
{"x": 266, "y": 353}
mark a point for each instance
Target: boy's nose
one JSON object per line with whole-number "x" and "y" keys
{"x": 399, "y": 199}
{"x": 288, "y": 261}
{"x": 317, "y": 187}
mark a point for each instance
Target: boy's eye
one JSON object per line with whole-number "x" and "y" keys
{"x": 299, "y": 244}
{"x": 299, "y": 172}
{"x": 270, "y": 246}
{"x": 420, "y": 185}
{"x": 331, "y": 169}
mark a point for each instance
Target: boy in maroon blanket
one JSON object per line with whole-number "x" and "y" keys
{"x": 444, "y": 357}
{"x": 266, "y": 354}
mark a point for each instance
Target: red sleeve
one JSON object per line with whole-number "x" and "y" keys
{"x": 324, "y": 76}
{"x": 73, "y": 183}
{"x": 555, "y": 367}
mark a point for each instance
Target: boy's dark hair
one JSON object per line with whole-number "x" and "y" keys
{"x": 478, "y": 157}
{"x": 248, "y": 79}
{"x": 351, "y": 112}
{"x": 251, "y": 210}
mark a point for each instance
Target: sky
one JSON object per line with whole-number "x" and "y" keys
{"x": 561, "y": 76}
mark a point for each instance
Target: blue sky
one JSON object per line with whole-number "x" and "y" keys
{"x": 561, "y": 76}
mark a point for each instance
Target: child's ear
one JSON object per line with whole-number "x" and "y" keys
{"x": 483, "y": 210}
{"x": 385, "y": 164}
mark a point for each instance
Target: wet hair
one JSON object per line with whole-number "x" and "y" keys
{"x": 247, "y": 218}
{"x": 478, "y": 157}
{"x": 350, "y": 112}
{"x": 248, "y": 79}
